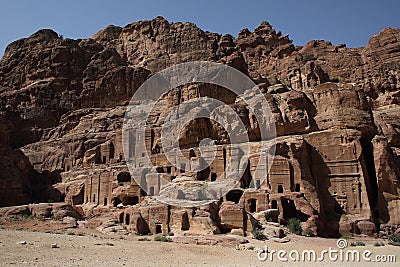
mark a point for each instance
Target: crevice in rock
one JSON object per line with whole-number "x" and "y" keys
{"x": 372, "y": 184}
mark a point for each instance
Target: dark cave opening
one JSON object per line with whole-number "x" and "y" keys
{"x": 372, "y": 184}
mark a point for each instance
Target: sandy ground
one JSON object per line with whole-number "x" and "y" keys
{"x": 85, "y": 247}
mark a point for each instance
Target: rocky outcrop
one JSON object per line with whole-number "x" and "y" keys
{"x": 57, "y": 211}
{"x": 336, "y": 110}
{"x": 15, "y": 184}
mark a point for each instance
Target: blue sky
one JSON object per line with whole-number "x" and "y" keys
{"x": 352, "y": 22}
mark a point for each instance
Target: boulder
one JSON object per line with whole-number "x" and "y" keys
{"x": 43, "y": 210}
{"x": 366, "y": 228}
{"x": 70, "y": 221}
{"x": 238, "y": 232}
{"x": 19, "y": 210}
{"x": 61, "y": 210}
{"x": 271, "y": 215}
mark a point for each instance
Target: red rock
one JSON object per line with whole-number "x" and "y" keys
{"x": 62, "y": 102}
{"x": 366, "y": 228}
{"x": 18, "y": 210}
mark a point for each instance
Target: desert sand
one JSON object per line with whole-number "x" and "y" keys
{"x": 89, "y": 248}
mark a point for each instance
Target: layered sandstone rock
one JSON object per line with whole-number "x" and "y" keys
{"x": 336, "y": 112}
{"x": 15, "y": 186}
{"x": 57, "y": 211}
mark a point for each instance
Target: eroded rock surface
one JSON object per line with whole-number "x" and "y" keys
{"x": 336, "y": 112}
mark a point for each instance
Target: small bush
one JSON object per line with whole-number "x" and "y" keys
{"x": 251, "y": 248}
{"x": 294, "y": 226}
{"x": 258, "y": 234}
{"x": 144, "y": 239}
{"x": 110, "y": 244}
{"x": 161, "y": 238}
{"x": 360, "y": 244}
{"x": 309, "y": 233}
{"x": 353, "y": 244}
{"x": 308, "y": 57}
{"x": 379, "y": 244}
{"x": 149, "y": 233}
{"x": 91, "y": 216}
{"x": 70, "y": 233}
{"x": 28, "y": 216}
{"x": 171, "y": 234}
{"x": 394, "y": 238}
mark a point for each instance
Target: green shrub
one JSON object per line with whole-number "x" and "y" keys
{"x": 353, "y": 244}
{"x": 258, "y": 234}
{"x": 360, "y": 244}
{"x": 309, "y": 233}
{"x": 161, "y": 238}
{"x": 91, "y": 216}
{"x": 171, "y": 234}
{"x": 394, "y": 238}
{"x": 294, "y": 226}
{"x": 308, "y": 57}
{"x": 379, "y": 244}
{"x": 28, "y": 216}
{"x": 144, "y": 239}
{"x": 110, "y": 244}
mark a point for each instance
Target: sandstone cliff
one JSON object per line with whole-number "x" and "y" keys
{"x": 336, "y": 109}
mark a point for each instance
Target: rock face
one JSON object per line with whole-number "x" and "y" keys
{"x": 15, "y": 184}
{"x": 16, "y": 171}
{"x": 336, "y": 112}
{"x": 58, "y": 211}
